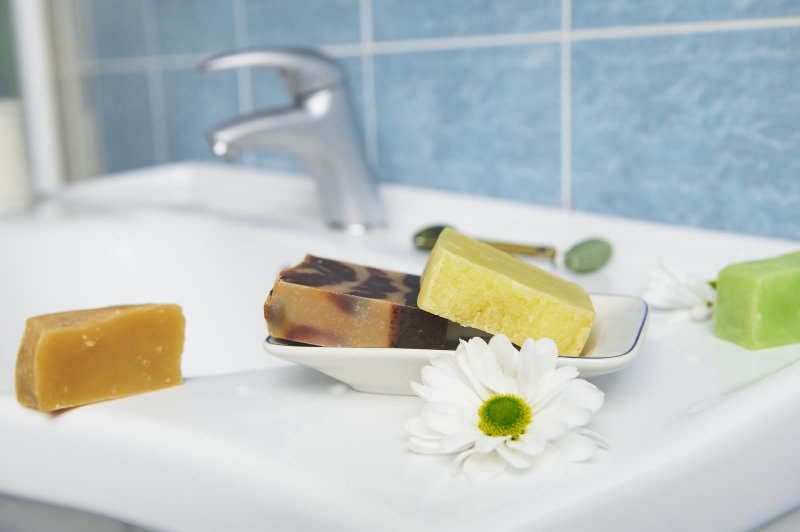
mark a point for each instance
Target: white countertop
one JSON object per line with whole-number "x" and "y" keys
{"x": 702, "y": 433}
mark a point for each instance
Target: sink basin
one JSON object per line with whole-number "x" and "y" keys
{"x": 699, "y": 429}
{"x": 180, "y": 235}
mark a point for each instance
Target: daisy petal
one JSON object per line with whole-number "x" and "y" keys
{"x": 446, "y": 363}
{"x": 550, "y": 386}
{"x": 482, "y": 467}
{"x": 424, "y": 446}
{"x": 671, "y": 289}
{"x": 527, "y": 372}
{"x": 486, "y": 367}
{"x": 448, "y": 418}
{"x": 460, "y": 459}
{"x": 575, "y": 402}
{"x": 427, "y": 393}
{"x": 575, "y": 447}
{"x": 449, "y": 364}
{"x": 505, "y": 353}
{"x": 538, "y": 360}
{"x": 573, "y": 416}
{"x": 546, "y": 428}
{"x": 596, "y": 438}
{"x": 705, "y": 291}
{"x": 701, "y": 312}
{"x": 549, "y": 463}
{"x": 456, "y": 443}
{"x": 530, "y": 445}
{"x": 583, "y": 393}
{"x": 485, "y": 444}
{"x": 515, "y": 458}
{"x": 451, "y": 387}
{"x": 546, "y": 354}
{"x": 548, "y": 348}
{"x": 466, "y": 369}
{"x": 417, "y": 427}
{"x": 456, "y": 385}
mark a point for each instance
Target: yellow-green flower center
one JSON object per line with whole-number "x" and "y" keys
{"x": 504, "y": 415}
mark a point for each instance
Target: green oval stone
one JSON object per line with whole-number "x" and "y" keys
{"x": 588, "y": 256}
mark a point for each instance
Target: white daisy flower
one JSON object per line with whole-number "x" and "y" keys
{"x": 496, "y": 407}
{"x": 672, "y": 289}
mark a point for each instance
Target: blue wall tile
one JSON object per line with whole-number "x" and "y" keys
{"x": 481, "y": 121}
{"x": 415, "y": 19}
{"x": 598, "y": 13}
{"x": 125, "y": 131}
{"x": 118, "y": 29}
{"x": 196, "y": 102}
{"x": 306, "y": 23}
{"x": 199, "y": 26}
{"x": 694, "y": 129}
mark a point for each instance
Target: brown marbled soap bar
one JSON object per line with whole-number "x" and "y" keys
{"x": 327, "y": 302}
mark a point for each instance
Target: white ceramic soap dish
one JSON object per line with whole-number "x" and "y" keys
{"x": 614, "y": 342}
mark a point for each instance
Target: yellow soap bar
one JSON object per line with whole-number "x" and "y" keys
{"x": 477, "y": 285}
{"x": 84, "y": 356}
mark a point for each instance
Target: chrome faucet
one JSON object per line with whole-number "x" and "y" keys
{"x": 319, "y": 128}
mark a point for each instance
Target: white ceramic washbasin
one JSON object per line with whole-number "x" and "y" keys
{"x": 701, "y": 432}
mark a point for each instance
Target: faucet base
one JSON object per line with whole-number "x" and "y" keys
{"x": 356, "y": 229}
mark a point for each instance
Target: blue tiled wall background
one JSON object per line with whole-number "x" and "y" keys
{"x": 685, "y": 112}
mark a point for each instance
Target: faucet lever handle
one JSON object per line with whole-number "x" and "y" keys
{"x": 303, "y": 70}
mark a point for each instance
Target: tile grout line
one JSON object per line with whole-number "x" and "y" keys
{"x": 241, "y": 41}
{"x": 566, "y": 105}
{"x": 368, "y": 83}
{"x": 89, "y": 40}
{"x": 130, "y": 65}
{"x": 90, "y": 50}
{"x": 244, "y": 76}
{"x": 155, "y": 86}
{"x": 683, "y": 28}
{"x": 458, "y": 43}
{"x": 181, "y": 61}
{"x": 510, "y": 39}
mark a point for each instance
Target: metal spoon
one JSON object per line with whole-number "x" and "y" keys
{"x": 426, "y": 238}
{"x": 586, "y": 256}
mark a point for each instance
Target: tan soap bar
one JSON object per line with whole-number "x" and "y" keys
{"x": 327, "y": 302}
{"x": 84, "y": 356}
{"x": 477, "y": 285}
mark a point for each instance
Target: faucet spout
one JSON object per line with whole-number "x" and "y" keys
{"x": 267, "y": 130}
{"x": 319, "y": 129}
{"x": 220, "y": 148}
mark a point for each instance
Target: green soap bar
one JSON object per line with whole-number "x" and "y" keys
{"x": 758, "y": 302}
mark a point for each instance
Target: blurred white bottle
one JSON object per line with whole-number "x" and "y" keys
{"x": 15, "y": 188}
